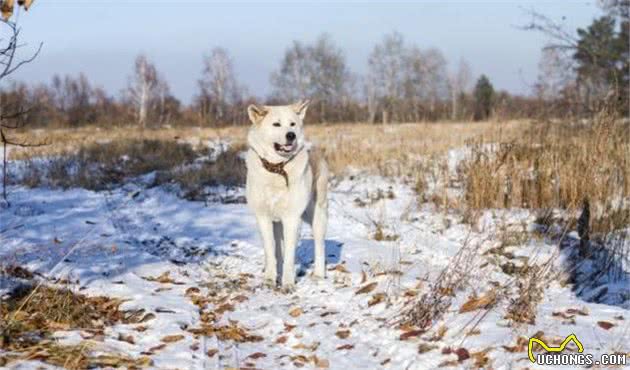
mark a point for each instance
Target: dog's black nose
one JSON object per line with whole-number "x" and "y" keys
{"x": 290, "y": 136}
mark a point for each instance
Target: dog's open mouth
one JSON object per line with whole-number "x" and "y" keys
{"x": 284, "y": 149}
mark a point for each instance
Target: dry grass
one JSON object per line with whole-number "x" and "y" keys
{"x": 31, "y": 314}
{"x": 523, "y": 307}
{"x": 361, "y": 146}
{"x": 398, "y": 150}
{"x": 428, "y": 308}
{"x": 226, "y": 169}
{"x": 555, "y": 166}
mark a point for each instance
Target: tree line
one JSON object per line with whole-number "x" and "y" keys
{"x": 403, "y": 83}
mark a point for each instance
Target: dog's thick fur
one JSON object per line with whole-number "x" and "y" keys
{"x": 280, "y": 204}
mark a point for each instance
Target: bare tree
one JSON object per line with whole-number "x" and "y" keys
{"x": 458, "y": 83}
{"x": 317, "y": 71}
{"x": 293, "y": 80}
{"x": 11, "y": 120}
{"x": 555, "y": 72}
{"x": 330, "y": 77}
{"x": 144, "y": 88}
{"x": 371, "y": 98}
{"x": 218, "y": 85}
{"x": 386, "y": 70}
{"x": 424, "y": 81}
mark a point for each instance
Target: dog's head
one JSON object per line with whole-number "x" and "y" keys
{"x": 278, "y": 129}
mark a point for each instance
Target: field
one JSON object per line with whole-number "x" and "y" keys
{"x": 449, "y": 245}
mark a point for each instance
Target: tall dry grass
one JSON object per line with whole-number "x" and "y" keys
{"x": 91, "y": 156}
{"x": 363, "y": 146}
{"x": 555, "y": 165}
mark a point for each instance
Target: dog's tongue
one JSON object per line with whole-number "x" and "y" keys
{"x": 285, "y": 147}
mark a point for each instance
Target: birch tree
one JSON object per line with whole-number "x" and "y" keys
{"x": 218, "y": 86}
{"x": 317, "y": 71}
{"x": 143, "y": 88}
{"x": 385, "y": 66}
{"x": 458, "y": 83}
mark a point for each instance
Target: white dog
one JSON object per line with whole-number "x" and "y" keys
{"x": 285, "y": 185}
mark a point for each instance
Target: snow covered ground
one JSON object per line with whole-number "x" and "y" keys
{"x": 186, "y": 261}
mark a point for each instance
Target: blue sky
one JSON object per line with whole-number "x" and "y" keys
{"x": 101, "y": 38}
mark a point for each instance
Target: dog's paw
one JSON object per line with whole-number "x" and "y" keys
{"x": 288, "y": 288}
{"x": 270, "y": 283}
{"x": 318, "y": 276}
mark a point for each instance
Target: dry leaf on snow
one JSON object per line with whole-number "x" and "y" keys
{"x": 345, "y": 346}
{"x": 411, "y": 334}
{"x": 172, "y": 338}
{"x": 295, "y": 312}
{"x": 367, "y": 288}
{"x": 476, "y": 303}
{"x": 605, "y": 325}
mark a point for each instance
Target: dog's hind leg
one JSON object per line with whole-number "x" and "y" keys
{"x": 320, "y": 219}
{"x": 279, "y": 245}
{"x": 265, "y": 225}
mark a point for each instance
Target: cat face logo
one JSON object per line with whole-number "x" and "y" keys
{"x": 570, "y": 338}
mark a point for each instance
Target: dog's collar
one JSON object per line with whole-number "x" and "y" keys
{"x": 277, "y": 168}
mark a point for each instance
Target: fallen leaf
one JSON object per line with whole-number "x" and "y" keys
{"x": 295, "y": 312}
{"x": 322, "y": 363}
{"x": 281, "y": 339}
{"x": 439, "y": 334}
{"x": 605, "y": 325}
{"x": 343, "y": 334}
{"x": 192, "y": 290}
{"x": 172, "y": 338}
{"x": 345, "y": 346}
{"x": 211, "y": 352}
{"x": 157, "y": 348}
{"x": 376, "y": 299}
{"x": 224, "y": 307}
{"x": 410, "y": 334}
{"x": 328, "y": 313}
{"x": 581, "y": 312}
{"x": 481, "y": 358}
{"x": 240, "y": 298}
{"x": 462, "y": 354}
{"x": 147, "y": 317}
{"x": 367, "y": 288}
{"x": 126, "y": 338}
{"x": 257, "y": 355}
{"x": 424, "y": 347}
{"x": 475, "y": 303}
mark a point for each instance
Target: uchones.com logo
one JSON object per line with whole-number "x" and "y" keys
{"x": 556, "y": 356}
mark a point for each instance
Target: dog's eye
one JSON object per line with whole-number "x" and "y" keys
{"x": 292, "y": 124}
{"x": 276, "y": 124}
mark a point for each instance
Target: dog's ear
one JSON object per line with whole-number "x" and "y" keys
{"x": 300, "y": 107}
{"x": 256, "y": 113}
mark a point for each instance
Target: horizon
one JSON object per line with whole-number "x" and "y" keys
{"x": 104, "y": 51}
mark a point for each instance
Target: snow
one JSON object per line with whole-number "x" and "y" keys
{"x": 111, "y": 242}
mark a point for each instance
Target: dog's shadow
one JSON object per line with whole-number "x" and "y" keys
{"x": 305, "y": 254}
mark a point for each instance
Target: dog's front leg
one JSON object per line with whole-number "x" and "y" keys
{"x": 291, "y": 226}
{"x": 265, "y": 225}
